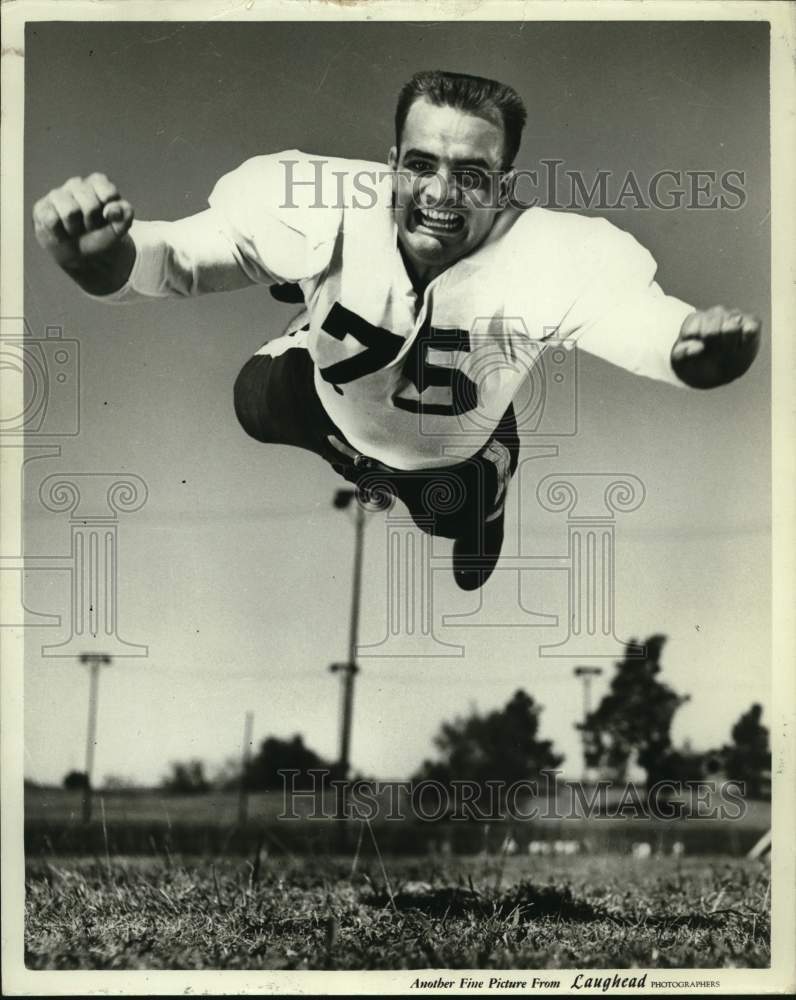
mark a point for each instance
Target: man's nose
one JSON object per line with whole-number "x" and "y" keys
{"x": 439, "y": 189}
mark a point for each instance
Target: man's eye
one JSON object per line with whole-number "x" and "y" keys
{"x": 419, "y": 166}
{"x": 471, "y": 179}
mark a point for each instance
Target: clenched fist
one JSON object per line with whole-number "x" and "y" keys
{"x": 715, "y": 347}
{"x": 84, "y": 225}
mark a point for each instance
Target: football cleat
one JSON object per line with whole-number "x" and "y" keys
{"x": 475, "y": 554}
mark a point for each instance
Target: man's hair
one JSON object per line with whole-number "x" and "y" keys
{"x": 492, "y": 100}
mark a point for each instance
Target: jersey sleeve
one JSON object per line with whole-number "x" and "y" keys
{"x": 179, "y": 259}
{"x": 273, "y": 219}
{"x": 281, "y": 214}
{"x": 620, "y": 313}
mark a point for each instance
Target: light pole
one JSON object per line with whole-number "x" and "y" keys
{"x": 586, "y": 674}
{"x": 342, "y": 500}
{"x": 94, "y": 661}
{"x": 243, "y": 792}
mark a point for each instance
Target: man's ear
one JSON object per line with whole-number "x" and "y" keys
{"x": 507, "y": 180}
{"x": 392, "y": 160}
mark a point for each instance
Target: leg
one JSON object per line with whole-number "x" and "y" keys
{"x": 276, "y": 401}
{"x": 476, "y": 549}
{"x": 462, "y": 497}
{"x": 466, "y": 502}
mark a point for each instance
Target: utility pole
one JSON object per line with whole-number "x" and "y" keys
{"x": 94, "y": 661}
{"x": 243, "y": 795}
{"x": 342, "y": 500}
{"x": 586, "y": 674}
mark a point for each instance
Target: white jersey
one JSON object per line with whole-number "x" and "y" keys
{"x": 414, "y": 381}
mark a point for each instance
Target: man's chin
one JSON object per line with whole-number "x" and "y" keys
{"x": 430, "y": 247}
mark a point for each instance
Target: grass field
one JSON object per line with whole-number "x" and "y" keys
{"x": 481, "y": 913}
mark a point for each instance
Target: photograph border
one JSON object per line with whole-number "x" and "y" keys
{"x": 781, "y": 976}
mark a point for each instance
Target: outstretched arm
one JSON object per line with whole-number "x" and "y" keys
{"x": 624, "y": 317}
{"x": 88, "y": 229}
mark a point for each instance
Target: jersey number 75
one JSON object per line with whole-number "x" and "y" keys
{"x": 452, "y": 391}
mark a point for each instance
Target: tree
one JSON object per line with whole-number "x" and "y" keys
{"x": 226, "y": 776}
{"x": 748, "y": 757}
{"x": 186, "y": 777}
{"x": 117, "y": 783}
{"x": 76, "y": 781}
{"x": 684, "y": 764}
{"x": 500, "y": 746}
{"x": 635, "y": 717}
{"x": 276, "y": 755}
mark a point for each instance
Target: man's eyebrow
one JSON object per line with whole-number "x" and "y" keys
{"x": 476, "y": 162}
{"x": 420, "y": 153}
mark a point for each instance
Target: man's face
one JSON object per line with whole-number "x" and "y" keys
{"x": 447, "y": 183}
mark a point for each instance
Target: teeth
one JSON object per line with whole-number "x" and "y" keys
{"x": 442, "y": 221}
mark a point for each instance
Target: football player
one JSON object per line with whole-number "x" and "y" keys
{"x": 429, "y": 296}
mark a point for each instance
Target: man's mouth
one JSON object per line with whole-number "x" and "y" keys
{"x": 437, "y": 220}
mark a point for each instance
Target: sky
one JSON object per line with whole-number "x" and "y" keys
{"x": 236, "y": 571}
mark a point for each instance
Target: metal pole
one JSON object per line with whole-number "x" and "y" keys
{"x": 586, "y": 674}
{"x": 243, "y": 795}
{"x": 95, "y": 661}
{"x": 351, "y": 668}
{"x": 359, "y": 526}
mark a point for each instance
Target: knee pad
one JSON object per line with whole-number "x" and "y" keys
{"x": 249, "y": 397}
